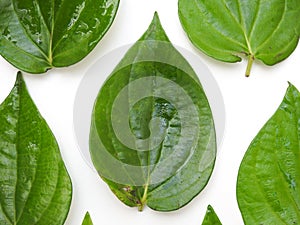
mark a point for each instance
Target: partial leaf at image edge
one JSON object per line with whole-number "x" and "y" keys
{"x": 268, "y": 184}
{"x": 36, "y": 36}
{"x": 152, "y": 60}
{"x": 87, "y": 219}
{"x": 227, "y": 30}
{"x": 211, "y": 217}
{"x": 35, "y": 185}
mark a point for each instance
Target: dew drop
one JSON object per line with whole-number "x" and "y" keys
{"x": 76, "y": 15}
{"x": 97, "y": 23}
{"x": 39, "y": 38}
{"x": 6, "y": 34}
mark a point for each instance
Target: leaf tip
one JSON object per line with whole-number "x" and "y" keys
{"x": 19, "y": 80}
{"x": 155, "y": 30}
{"x": 290, "y": 84}
{"x": 20, "y": 76}
{"x": 291, "y": 88}
{"x": 210, "y": 208}
{"x": 87, "y": 219}
{"x": 156, "y": 19}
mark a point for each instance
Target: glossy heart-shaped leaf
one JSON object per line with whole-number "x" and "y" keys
{"x": 87, "y": 219}
{"x": 268, "y": 190}
{"x": 227, "y": 29}
{"x": 38, "y": 35}
{"x": 211, "y": 218}
{"x": 152, "y": 135}
{"x": 35, "y": 186}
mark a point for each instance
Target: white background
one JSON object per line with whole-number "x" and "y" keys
{"x": 249, "y": 103}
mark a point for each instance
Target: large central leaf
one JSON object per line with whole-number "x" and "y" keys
{"x": 227, "y": 29}
{"x": 36, "y": 35}
{"x": 152, "y": 134}
{"x": 268, "y": 190}
{"x": 35, "y": 187}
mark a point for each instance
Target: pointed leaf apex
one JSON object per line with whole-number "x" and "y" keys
{"x": 155, "y": 31}
{"x": 211, "y": 218}
{"x": 19, "y": 85}
{"x": 19, "y": 79}
{"x": 156, "y": 21}
{"x": 156, "y": 17}
{"x": 290, "y": 84}
{"x": 292, "y": 90}
{"x": 292, "y": 87}
{"x": 87, "y": 219}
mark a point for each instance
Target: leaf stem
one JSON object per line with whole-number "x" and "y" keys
{"x": 249, "y": 66}
{"x": 144, "y": 199}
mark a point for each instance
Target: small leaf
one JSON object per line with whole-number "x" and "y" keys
{"x": 87, "y": 219}
{"x": 35, "y": 186}
{"x": 269, "y": 176}
{"x": 226, "y": 29}
{"x": 152, "y": 135}
{"x": 38, "y": 35}
{"x": 211, "y": 217}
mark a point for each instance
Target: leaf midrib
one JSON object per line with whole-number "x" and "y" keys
{"x": 51, "y": 35}
{"x": 19, "y": 90}
{"x": 243, "y": 28}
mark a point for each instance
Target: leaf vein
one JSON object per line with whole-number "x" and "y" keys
{"x": 28, "y": 36}
{"x": 277, "y": 27}
{"x": 51, "y": 201}
{"x": 218, "y": 31}
{"x": 70, "y": 29}
{"x": 253, "y": 25}
{"x": 26, "y": 53}
{"x": 5, "y": 214}
{"x": 183, "y": 167}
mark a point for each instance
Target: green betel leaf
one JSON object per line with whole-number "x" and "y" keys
{"x": 38, "y": 35}
{"x": 269, "y": 176}
{"x": 227, "y": 29}
{"x": 35, "y": 186}
{"x": 152, "y": 135}
{"x": 211, "y": 217}
{"x": 87, "y": 219}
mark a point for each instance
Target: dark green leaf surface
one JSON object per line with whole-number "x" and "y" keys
{"x": 35, "y": 186}
{"x": 211, "y": 217}
{"x": 38, "y": 35}
{"x": 227, "y": 29}
{"x": 87, "y": 219}
{"x": 156, "y": 143}
{"x": 268, "y": 190}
